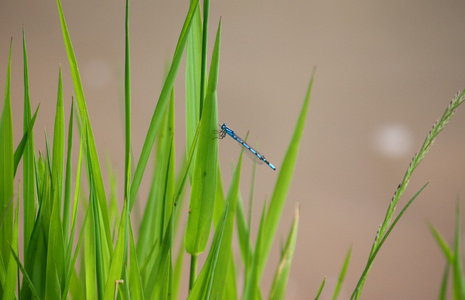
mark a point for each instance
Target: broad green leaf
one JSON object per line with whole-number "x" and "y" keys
{"x": 225, "y": 256}
{"x": 278, "y": 289}
{"x": 162, "y": 103}
{"x": 203, "y": 285}
{"x": 193, "y": 77}
{"x": 206, "y": 165}
{"x": 6, "y": 173}
{"x": 283, "y": 184}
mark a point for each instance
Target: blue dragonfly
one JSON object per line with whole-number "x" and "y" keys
{"x": 225, "y": 130}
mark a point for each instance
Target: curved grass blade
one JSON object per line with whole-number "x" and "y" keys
{"x": 283, "y": 183}
{"x": 161, "y": 104}
{"x": 320, "y": 289}
{"x": 278, "y": 289}
{"x": 26, "y": 278}
{"x": 442, "y": 244}
{"x": 357, "y": 290}
{"x": 20, "y": 150}
{"x": 91, "y": 154}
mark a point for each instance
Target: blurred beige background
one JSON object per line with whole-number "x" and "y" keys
{"x": 386, "y": 70}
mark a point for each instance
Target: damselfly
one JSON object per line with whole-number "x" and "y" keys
{"x": 226, "y": 130}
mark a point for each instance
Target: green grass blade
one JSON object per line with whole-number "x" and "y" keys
{"x": 342, "y": 275}
{"x": 71, "y": 270}
{"x": 457, "y": 268}
{"x": 135, "y": 280}
{"x": 225, "y": 257}
{"x": 159, "y": 204}
{"x": 283, "y": 182}
{"x": 444, "y": 281}
{"x": 193, "y": 77}
{"x": 206, "y": 15}
{"x": 161, "y": 104}
{"x": 251, "y": 290}
{"x": 358, "y": 288}
{"x": 90, "y": 258}
{"x": 127, "y": 110}
{"x": 203, "y": 285}
{"x": 67, "y": 198}
{"x": 206, "y": 165}
{"x": 26, "y": 278}
{"x": 55, "y": 257}
{"x": 320, "y": 289}
{"x": 117, "y": 259}
{"x": 20, "y": 150}
{"x": 7, "y": 171}
{"x": 448, "y": 253}
{"x": 58, "y": 146}
{"x": 92, "y": 155}
{"x": 29, "y": 209}
{"x": 278, "y": 289}
{"x": 12, "y": 269}
{"x": 243, "y": 233}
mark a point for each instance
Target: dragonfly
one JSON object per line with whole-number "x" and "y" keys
{"x": 225, "y": 130}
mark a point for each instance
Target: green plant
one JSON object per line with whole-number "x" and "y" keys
{"x": 113, "y": 262}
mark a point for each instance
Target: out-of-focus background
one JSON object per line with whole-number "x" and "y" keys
{"x": 385, "y": 71}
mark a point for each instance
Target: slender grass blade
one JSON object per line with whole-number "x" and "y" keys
{"x": 278, "y": 288}
{"x": 283, "y": 183}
